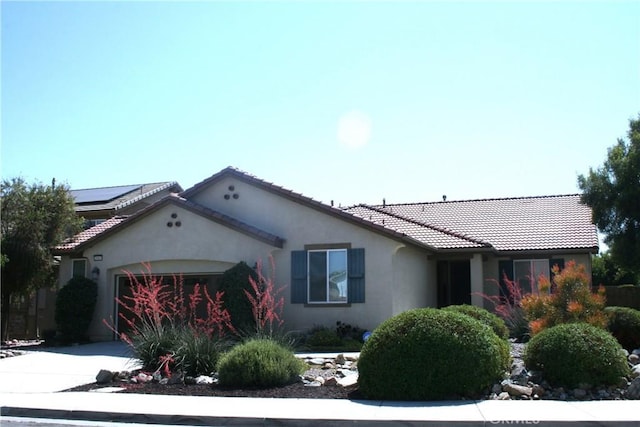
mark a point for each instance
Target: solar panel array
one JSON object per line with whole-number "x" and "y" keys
{"x": 102, "y": 195}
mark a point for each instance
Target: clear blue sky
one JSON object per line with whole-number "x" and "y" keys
{"x": 347, "y": 102}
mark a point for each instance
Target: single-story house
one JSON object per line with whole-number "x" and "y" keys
{"x": 359, "y": 265}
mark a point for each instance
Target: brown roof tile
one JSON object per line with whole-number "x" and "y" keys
{"x": 511, "y": 224}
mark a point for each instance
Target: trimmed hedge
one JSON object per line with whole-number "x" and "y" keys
{"x": 484, "y": 316}
{"x": 624, "y": 325}
{"x": 75, "y": 304}
{"x": 576, "y": 353}
{"x": 259, "y": 363}
{"x": 431, "y": 354}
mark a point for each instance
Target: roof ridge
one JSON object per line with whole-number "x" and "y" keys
{"x": 139, "y": 197}
{"x": 431, "y": 226}
{"x": 489, "y": 199}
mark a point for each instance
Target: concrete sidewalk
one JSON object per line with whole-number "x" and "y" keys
{"x": 30, "y": 385}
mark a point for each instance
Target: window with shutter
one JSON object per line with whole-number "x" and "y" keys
{"x": 327, "y": 276}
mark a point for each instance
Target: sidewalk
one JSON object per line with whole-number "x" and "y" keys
{"x": 29, "y": 386}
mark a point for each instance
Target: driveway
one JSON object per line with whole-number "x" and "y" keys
{"x": 61, "y": 368}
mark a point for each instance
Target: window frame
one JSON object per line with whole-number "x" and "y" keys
{"x": 344, "y": 299}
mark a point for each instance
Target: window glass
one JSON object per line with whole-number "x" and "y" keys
{"x": 527, "y": 273}
{"x": 79, "y": 267}
{"x": 318, "y": 276}
{"x": 328, "y": 276}
{"x": 337, "y": 276}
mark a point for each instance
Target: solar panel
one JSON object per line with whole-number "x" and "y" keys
{"x": 101, "y": 195}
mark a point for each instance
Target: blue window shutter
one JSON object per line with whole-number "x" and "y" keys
{"x": 355, "y": 262}
{"x": 505, "y": 268}
{"x": 298, "y": 277}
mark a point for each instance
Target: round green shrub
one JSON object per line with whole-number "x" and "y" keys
{"x": 484, "y": 316}
{"x": 575, "y": 353}
{"x": 233, "y": 283}
{"x": 430, "y": 354}
{"x": 259, "y": 363}
{"x": 75, "y": 304}
{"x": 624, "y": 325}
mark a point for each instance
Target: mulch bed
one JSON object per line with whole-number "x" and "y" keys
{"x": 293, "y": 391}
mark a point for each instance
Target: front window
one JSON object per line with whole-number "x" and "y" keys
{"x": 327, "y": 276}
{"x": 527, "y": 273}
{"x": 79, "y": 268}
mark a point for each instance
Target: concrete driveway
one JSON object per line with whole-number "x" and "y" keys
{"x": 60, "y": 368}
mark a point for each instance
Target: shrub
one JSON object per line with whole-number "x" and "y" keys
{"x": 151, "y": 345}
{"x": 624, "y": 325}
{"x": 426, "y": 354}
{"x": 197, "y": 354}
{"x": 234, "y": 282}
{"x": 323, "y": 337}
{"x": 348, "y": 332}
{"x": 507, "y": 306}
{"x": 575, "y": 353}
{"x": 484, "y": 316}
{"x": 75, "y": 304}
{"x": 569, "y": 299}
{"x": 259, "y": 363}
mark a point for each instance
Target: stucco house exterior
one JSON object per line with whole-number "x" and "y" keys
{"x": 360, "y": 265}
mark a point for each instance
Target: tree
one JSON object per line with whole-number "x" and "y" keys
{"x": 613, "y": 193}
{"x": 604, "y": 271}
{"x": 34, "y": 218}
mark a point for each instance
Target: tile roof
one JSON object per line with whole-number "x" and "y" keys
{"x": 511, "y": 224}
{"x": 504, "y": 225}
{"x": 79, "y": 239}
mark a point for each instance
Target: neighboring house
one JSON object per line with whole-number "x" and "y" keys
{"x": 359, "y": 265}
{"x": 96, "y": 205}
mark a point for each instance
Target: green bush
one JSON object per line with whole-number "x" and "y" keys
{"x": 624, "y": 325}
{"x": 431, "y": 354}
{"x": 151, "y": 343}
{"x": 197, "y": 354}
{"x": 484, "y": 316}
{"x": 259, "y": 363}
{"x": 75, "y": 304}
{"x": 575, "y": 353}
{"x": 234, "y": 282}
{"x": 323, "y": 337}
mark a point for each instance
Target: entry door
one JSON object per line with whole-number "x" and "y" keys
{"x": 454, "y": 282}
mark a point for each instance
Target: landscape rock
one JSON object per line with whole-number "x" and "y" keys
{"x": 634, "y": 359}
{"x": 340, "y": 360}
{"x": 204, "y": 379}
{"x": 516, "y": 389}
{"x": 104, "y": 376}
{"x": 633, "y": 391}
{"x": 635, "y": 371}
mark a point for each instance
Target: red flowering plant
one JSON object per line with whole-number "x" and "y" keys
{"x": 163, "y": 327}
{"x": 507, "y": 305}
{"x": 266, "y": 302}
